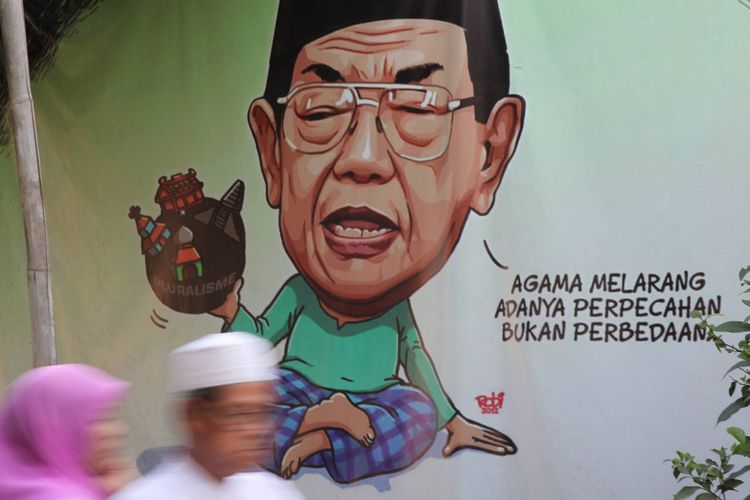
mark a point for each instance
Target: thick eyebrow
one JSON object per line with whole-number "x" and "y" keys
{"x": 415, "y": 74}
{"x": 324, "y": 72}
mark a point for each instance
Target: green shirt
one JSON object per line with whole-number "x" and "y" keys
{"x": 362, "y": 356}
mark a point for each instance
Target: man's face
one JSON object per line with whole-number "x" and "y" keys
{"x": 364, "y": 225}
{"x": 234, "y": 429}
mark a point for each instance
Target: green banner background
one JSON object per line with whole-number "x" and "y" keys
{"x": 634, "y": 157}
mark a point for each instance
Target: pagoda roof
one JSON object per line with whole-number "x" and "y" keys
{"x": 178, "y": 185}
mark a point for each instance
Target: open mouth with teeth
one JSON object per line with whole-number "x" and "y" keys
{"x": 358, "y": 232}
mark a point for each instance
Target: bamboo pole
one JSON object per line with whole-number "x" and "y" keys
{"x": 23, "y": 127}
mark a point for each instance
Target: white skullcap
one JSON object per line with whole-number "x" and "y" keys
{"x": 220, "y": 359}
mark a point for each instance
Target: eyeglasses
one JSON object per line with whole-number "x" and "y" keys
{"x": 415, "y": 119}
{"x": 243, "y": 420}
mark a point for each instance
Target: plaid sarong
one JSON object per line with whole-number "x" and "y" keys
{"x": 403, "y": 417}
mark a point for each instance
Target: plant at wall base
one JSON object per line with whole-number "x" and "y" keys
{"x": 714, "y": 477}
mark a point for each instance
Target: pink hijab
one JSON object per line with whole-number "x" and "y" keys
{"x": 43, "y": 429}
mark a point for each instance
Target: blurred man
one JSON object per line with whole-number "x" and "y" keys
{"x": 226, "y": 385}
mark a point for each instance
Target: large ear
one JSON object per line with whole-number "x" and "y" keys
{"x": 501, "y": 136}
{"x": 262, "y": 121}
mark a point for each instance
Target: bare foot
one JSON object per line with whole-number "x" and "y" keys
{"x": 339, "y": 412}
{"x": 301, "y": 449}
{"x": 351, "y": 418}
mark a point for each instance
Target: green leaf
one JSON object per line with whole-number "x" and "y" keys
{"x": 686, "y": 492}
{"x": 696, "y": 313}
{"x": 738, "y": 472}
{"x": 705, "y": 496}
{"x": 739, "y": 364}
{"x": 738, "y": 434}
{"x": 731, "y": 410}
{"x": 733, "y": 327}
{"x": 732, "y": 387}
{"x": 731, "y": 485}
{"x": 746, "y": 302}
{"x": 743, "y": 272}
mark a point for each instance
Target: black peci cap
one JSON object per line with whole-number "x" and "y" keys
{"x": 300, "y": 22}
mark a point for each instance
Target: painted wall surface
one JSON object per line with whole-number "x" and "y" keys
{"x": 632, "y": 160}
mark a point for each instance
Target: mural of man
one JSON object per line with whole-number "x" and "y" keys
{"x": 382, "y": 127}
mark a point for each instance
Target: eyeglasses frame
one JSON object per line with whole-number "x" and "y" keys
{"x": 453, "y": 105}
{"x": 220, "y": 417}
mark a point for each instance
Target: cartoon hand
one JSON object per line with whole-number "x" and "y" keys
{"x": 228, "y": 310}
{"x": 465, "y": 433}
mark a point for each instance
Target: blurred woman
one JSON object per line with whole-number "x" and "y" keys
{"x": 60, "y": 437}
